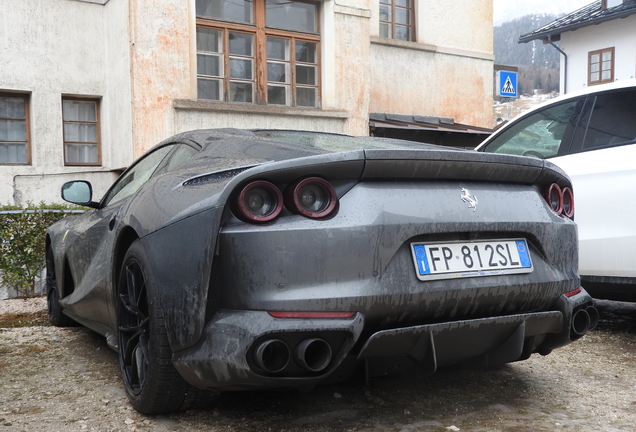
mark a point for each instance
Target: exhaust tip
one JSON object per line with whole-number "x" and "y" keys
{"x": 272, "y": 355}
{"x": 313, "y": 354}
{"x": 594, "y": 317}
{"x": 580, "y": 323}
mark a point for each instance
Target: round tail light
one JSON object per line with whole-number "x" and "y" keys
{"x": 554, "y": 197}
{"x": 258, "y": 202}
{"x": 312, "y": 197}
{"x": 568, "y": 202}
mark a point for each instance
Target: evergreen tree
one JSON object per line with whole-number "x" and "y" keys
{"x": 538, "y": 63}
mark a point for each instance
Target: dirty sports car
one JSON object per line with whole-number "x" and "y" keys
{"x": 227, "y": 260}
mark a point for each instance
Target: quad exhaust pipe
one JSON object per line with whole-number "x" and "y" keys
{"x": 583, "y": 320}
{"x": 593, "y": 313}
{"x": 273, "y": 355}
{"x": 313, "y": 354}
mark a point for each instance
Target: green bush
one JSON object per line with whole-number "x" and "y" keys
{"x": 22, "y": 243}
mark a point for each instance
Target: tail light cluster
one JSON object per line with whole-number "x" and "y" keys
{"x": 261, "y": 201}
{"x": 561, "y": 201}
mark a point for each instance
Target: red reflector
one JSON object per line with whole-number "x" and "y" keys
{"x": 312, "y": 314}
{"x": 572, "y": 293}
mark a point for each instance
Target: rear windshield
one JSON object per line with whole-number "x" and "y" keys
{"x": 338, "y": 143}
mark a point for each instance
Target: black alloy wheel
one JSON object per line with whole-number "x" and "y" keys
{"x": 56, "y": 316}
{"x": 134, "y": 327}
{"x": 152, "y": 383}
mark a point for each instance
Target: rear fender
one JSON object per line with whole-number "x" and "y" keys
{"x": 182, "y": 255}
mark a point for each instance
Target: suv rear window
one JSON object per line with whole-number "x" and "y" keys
{"x": 612, "y": 121}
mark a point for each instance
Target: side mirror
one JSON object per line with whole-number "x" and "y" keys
{"x": 79, "y": 192}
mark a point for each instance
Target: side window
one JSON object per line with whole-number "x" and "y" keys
{"x": 180, "y": 155}
{"x": 80, "y": 118}
{"x": 136, "y": 176}
{"x": 600, "y": 68}
{"x": 259, "y": 51}
{"x": 612, "y": 121}
{"x": 14, "y": 128}
{"x": 545, "y": 133}
{"x": 396, "y": 19}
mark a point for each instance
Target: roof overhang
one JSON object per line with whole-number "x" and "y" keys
{"x": 592, "y": 14}
{"x": 434, "y": 130}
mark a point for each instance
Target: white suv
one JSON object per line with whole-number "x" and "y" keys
{"x": 591, "y": 135}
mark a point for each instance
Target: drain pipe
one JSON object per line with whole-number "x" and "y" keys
{"x": 565, "y": 67}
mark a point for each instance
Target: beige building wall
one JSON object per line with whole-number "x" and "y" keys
{"x": 447, "y": 72}
{"x": 161, "y": 66}
{"x": 163, "y": 76}
{"x": 138, "y": 57}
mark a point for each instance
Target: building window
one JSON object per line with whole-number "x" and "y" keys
{"x": 607, "y": 4}
{"x": 601, "y": 66}
{"x": 396, "y": 19}
{"x": 81, "y": 131}
{"x": 14, "y": 128}
{"x": 260, "y": 51}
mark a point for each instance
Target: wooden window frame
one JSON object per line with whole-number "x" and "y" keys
{"x": 600, "y": 52}
{"x": 97, "y": 122}
{"x": 261, "y": 32}
{"x": 27, "y": 100}
{"x": 411, "y": 25}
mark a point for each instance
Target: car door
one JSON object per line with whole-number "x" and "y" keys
{"x": 602, "y": 165}
{"x": 91, "y": 244}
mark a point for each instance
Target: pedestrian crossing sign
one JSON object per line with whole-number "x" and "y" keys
{"x": 507, "y": 83}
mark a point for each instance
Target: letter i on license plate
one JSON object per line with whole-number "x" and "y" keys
{"x": 471, "y": 259}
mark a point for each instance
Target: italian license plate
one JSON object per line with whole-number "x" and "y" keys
{"x": 470, "y": 259}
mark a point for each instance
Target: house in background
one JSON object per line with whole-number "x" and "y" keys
{"x": 89, "y": 85}
{"x": 597, "y": 43}
{"x": 65, "y": 96}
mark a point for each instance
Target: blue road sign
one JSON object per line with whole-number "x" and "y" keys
{"x": 507, "y": 83}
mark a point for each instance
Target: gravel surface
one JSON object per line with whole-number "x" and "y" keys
{"x": 26, "y": 305}
{"x": 68, "y": 380}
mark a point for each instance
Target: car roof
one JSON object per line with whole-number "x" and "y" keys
{"x": 278, "y": 144}
{"x": 616, "y": 85}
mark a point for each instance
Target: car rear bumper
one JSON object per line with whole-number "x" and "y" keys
{"x": 227, "y": 356}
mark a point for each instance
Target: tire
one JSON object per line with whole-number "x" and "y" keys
{"x": 152, "y": 383}
{"x": 56, "y": 316}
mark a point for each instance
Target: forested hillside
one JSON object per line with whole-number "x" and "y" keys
{"x": 538, "y": 62}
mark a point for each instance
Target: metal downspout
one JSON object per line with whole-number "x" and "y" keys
{"x": 565, "y": 68}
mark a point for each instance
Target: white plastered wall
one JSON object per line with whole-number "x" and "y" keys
{"x": 56, "y": 48}
{"x": 619, "y": 33}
